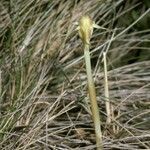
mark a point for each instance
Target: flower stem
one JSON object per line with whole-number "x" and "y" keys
{"x": 93, "y": 101}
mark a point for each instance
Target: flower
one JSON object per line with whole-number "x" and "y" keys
{"x": 85, "y": 29}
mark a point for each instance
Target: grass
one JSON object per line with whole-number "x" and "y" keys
{"x": 43, "y": 98}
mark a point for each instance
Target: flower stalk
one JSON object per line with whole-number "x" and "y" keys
{"x": 85, "y": 32}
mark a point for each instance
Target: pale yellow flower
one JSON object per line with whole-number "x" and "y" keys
{"x": 85, "y": 28}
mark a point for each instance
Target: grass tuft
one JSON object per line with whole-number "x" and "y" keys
{"x": 43, "y": 98}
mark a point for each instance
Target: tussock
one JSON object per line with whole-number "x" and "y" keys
{"x": 43, "y": 100}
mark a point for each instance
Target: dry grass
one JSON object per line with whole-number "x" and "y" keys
{"x": 43, "y": 99}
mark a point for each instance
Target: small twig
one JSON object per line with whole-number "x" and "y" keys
{"x": 107, "y": 101}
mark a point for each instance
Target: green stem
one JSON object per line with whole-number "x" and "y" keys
{"x": 92, "y": 95}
